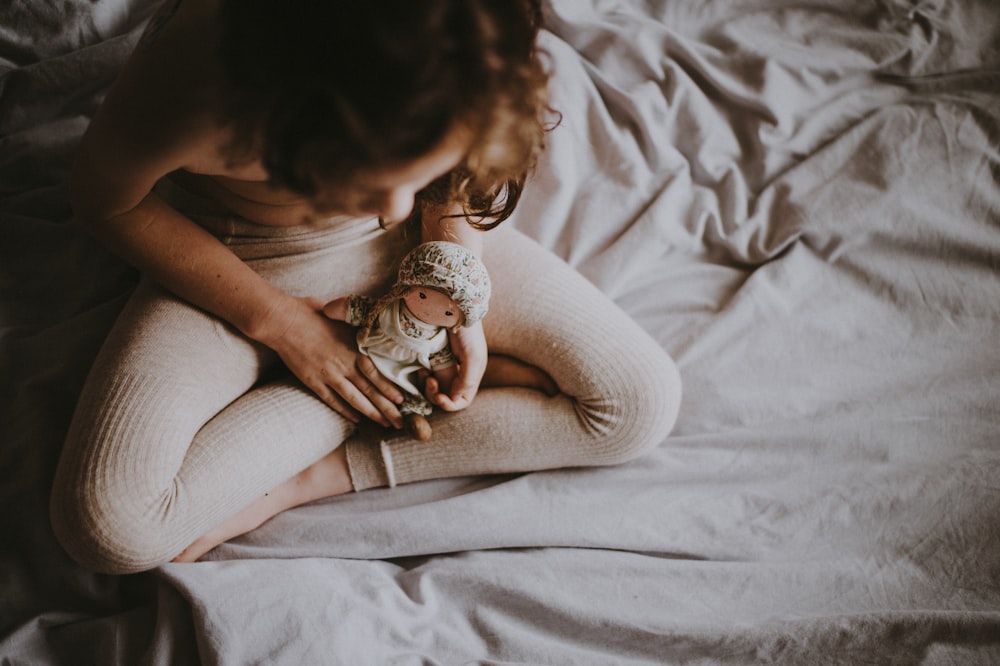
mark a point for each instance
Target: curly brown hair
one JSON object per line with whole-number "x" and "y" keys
{"x": 323, "y": 88}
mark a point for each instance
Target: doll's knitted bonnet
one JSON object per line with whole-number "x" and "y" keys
{"x": 447, "y": 267}
{"x": 452, "y": 269}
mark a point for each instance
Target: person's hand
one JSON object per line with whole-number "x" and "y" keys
{"x": 323, "y": 354}
{"x": 469, "y": 347}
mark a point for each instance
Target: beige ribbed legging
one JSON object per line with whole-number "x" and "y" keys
{"x": 183, "y": 421}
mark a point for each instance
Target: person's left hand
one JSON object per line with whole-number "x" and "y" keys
{"x": 469, "y": 348}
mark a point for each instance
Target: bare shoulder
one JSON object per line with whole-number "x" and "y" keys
{"x": 161, "y": 114}
{"x": 168, "y": 88}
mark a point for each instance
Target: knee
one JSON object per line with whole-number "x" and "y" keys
{"x": 637, "y": 411}
{"x": 104, "y": 536}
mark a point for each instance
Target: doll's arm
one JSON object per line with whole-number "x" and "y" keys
{"x": 337, "y": 309}
{"x": 350, "y": 309}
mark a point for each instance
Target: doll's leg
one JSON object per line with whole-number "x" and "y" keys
{"x": 619, "y": 391}
{"x": 167, "y": 441}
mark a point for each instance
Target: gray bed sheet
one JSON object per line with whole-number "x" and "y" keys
{"x": 799, "y": 200}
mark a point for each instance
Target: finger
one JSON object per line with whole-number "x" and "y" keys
{"x": 460, "y": 398}
{"x": 451, "y": 404}
{"x": 347, "y": 389}
{"x": 388, "y": 413}
{"x": 334, "y": 402}
{"x": 384, "y": 394}
{"x": 367, "y": 367}
{"x": 432, "y": 389}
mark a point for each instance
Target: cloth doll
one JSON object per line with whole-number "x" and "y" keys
{"x": 440, "y": 287}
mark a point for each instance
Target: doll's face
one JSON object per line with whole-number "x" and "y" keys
{"x": 433, "y": 307}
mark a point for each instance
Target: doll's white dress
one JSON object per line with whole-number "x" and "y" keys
{"x": 400, "y": 345}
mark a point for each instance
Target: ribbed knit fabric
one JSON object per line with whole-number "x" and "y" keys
{"x": 620, "y": 391}
{"x": 175, "y": 431}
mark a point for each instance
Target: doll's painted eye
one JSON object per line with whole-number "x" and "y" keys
{"x": 422, "y": 294}
{"x": 449, "y": 313}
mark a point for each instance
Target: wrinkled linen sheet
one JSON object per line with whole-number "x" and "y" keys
{"x": 799, "y": 200}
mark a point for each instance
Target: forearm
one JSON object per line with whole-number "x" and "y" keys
{"x": 438, "y": 225}
{"x": 192, "y": 263}
{"x": 184, "y": 258}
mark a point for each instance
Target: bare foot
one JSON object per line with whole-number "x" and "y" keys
{"x": 324, "y": 478}
{"x": 508, "y": 371}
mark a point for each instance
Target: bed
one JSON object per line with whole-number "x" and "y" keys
{"x": 800, "y": 200}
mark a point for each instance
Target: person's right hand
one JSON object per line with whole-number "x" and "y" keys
{"x": 323, "y": 354}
